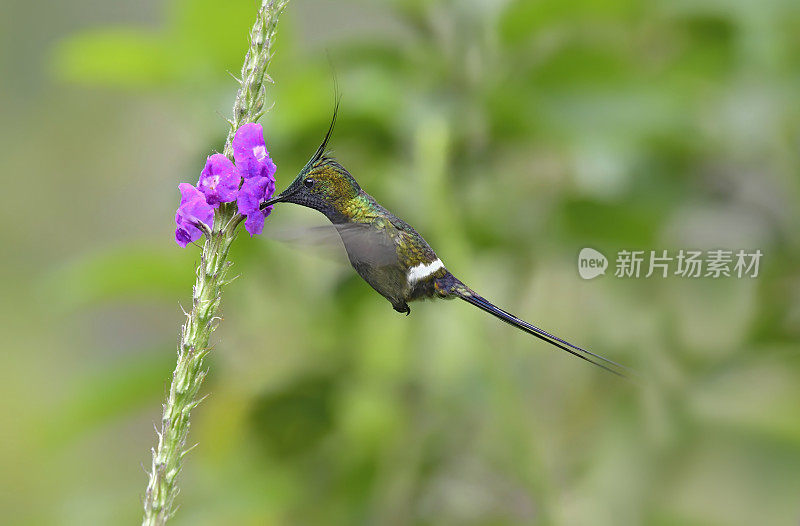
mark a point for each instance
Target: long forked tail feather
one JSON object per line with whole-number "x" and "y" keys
{"x": 482, "y": 303}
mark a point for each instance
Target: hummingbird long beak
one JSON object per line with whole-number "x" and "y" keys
{"x": 277, "y": 199}
{"x": 271, "y": 202}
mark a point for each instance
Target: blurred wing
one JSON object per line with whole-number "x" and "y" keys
{"x": 371, "y": 244}
{"x": 361, "y": 243}
{"x": 323, "y": 241}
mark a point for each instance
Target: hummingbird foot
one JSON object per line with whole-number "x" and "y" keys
{"x": 402, "y": 307}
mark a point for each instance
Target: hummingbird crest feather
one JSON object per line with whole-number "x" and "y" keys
{"x": 321, "y": 154}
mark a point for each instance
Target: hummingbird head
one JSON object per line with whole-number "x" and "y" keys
{"x": 323, "y": 184}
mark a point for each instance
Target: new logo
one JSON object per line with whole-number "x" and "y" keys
{"x": 591, "y": 263}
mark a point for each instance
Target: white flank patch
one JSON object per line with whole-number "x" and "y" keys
{"x": 423, "y": 270}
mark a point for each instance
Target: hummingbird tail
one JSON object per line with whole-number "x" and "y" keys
{"x": 458, "y": 289}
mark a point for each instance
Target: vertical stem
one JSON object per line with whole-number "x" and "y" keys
{"x": 189, "y": 373}
{"x": 187, "y": 378}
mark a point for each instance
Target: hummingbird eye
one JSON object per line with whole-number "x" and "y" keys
{"x": 308, "y": 183}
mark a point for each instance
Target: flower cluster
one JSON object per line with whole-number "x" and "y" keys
{"x": 249, "y": 182}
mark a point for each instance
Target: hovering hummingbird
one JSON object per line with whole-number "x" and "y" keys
{"x": 388, "y": 253}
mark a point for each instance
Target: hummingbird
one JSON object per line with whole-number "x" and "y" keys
{"x": 392, "y": 257}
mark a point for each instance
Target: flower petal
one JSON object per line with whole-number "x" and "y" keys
{"x": 248, "y": 137}
{"x": 219, "y": 180}
{"x": 183, "y": 236}
{"x": 193, "y": 209}
{"x": 198, "y": 210}
{"x": 250, "y": 152}
{"x": 188, "y": 192}
{"x": 255, "y": 222}
{"x": 252, "y": 193}
{"x": 270, "y": 188}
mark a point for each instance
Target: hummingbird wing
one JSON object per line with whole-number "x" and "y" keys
{"x": 378, "y": 243}
{"x": 373, "y": 252}
{"x": 359, "y": 241}
{"x": 369, "y": 243}
{"x": 387, "y": 241}
{"x": 322, "y": 241}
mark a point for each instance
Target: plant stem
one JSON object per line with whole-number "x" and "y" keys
{"x": 189, "y": 373}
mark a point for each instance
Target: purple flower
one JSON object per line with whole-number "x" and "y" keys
{"x": 253, "y": 192}
{"x": 250, "y": 152}
{"x": 193, "y": 209}
{"x": 254, "y": 223}
{"x": 258, "y": 171}
{"x": 219, "y": 180}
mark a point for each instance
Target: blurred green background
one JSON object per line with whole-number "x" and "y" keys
{"x": 511, "y": 134}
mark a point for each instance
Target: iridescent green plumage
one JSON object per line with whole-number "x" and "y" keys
{"x": 387, "y": 252}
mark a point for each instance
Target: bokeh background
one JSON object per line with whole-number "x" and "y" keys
{"x": 511, "y": 134}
